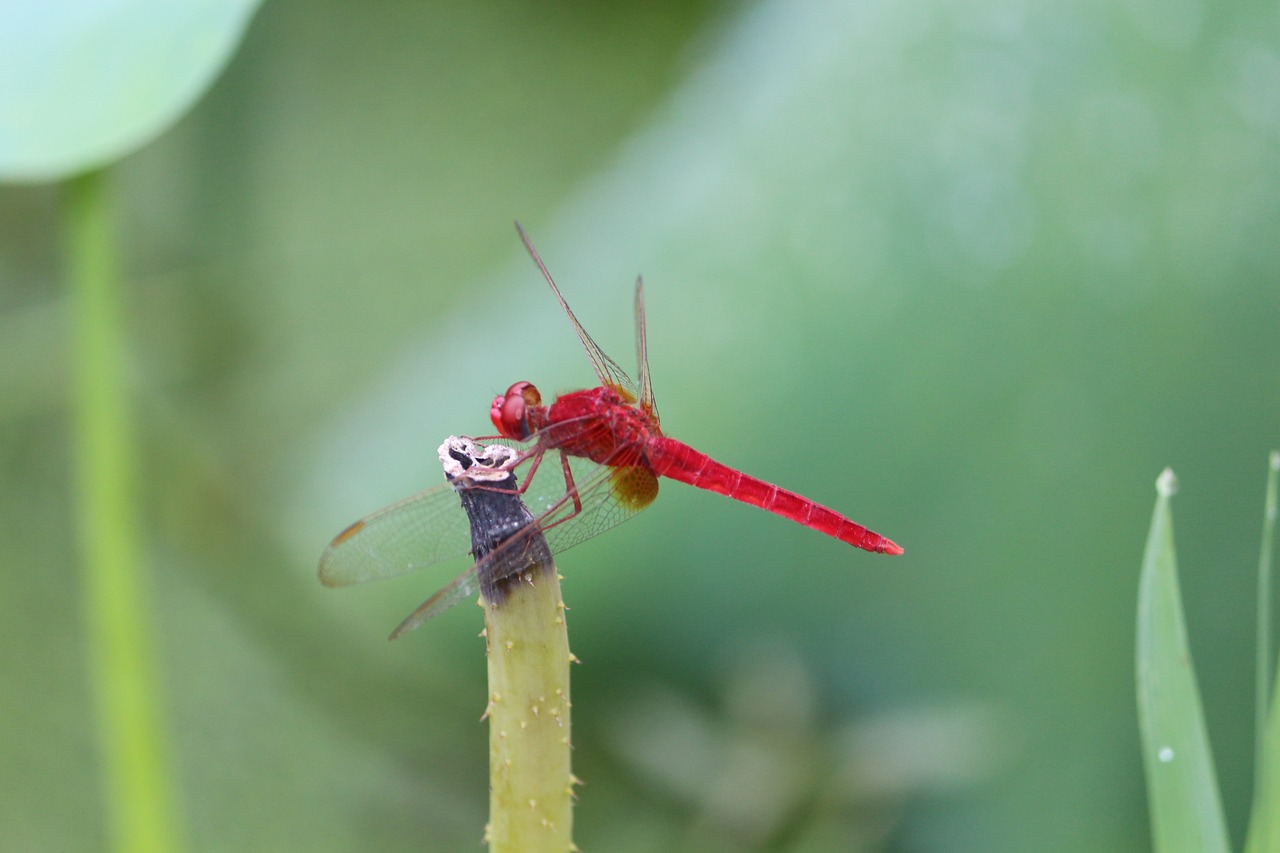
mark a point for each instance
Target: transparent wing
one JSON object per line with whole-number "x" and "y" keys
{"x": 608, "y": 496}
{"x": 607, "y": 370}
{"x": 642, "y": 355}
{"x": 431, "y": 527}
{"x": 605, "y": 497}
{"x": 411, "y": 534}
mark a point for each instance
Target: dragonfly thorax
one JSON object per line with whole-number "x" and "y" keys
{"x": 600, "y": 424}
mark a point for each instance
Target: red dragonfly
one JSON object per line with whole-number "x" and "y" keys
{"x": 611, "y": 452}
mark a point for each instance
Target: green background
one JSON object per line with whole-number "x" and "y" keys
{"x": 971, "y": 273}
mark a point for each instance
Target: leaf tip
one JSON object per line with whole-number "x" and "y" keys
{"x": 1167, "y": 483}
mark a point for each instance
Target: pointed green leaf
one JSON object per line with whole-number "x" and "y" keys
{"x": 1264, "y": 831}
{"x": 1186, "y": 811}
{"x": 87, "y": 81}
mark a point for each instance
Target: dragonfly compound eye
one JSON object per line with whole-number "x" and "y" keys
{"x": 509, "y": 412}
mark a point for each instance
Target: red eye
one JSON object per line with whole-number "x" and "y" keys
{"x": 508, "y": 412}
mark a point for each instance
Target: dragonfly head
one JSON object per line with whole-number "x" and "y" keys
{"x": 510, "y": 412}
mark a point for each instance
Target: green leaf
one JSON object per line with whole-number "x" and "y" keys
{"x": 1186, "y": 812}
{"x": 1264, "y": 833}
{"x": 87, "y": 81}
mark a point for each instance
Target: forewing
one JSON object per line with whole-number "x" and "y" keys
{"x": 607, "y": 370}
{"x": 414, "y": 533}
{"x": 642, "y": 355}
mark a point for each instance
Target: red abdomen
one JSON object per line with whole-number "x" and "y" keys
{"x": 674, "y": 459}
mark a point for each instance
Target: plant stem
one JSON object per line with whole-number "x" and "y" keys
{"x": 140, "y": 811}
{"x": 530, "y": 780}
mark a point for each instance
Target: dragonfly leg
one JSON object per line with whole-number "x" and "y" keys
{"x": 569, "y": 486}
{"x": 570, "y": 494}
{"x": 533, "y": 468}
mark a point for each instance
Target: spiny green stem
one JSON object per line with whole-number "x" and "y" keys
{"x": 530, "y": 779}
{"x": 121, "y": 660}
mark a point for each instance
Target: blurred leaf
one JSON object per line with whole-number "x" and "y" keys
{"x": 1186, "y": 814}
{"x": 88, "y": 81}
{"x": 1266, "y": 788}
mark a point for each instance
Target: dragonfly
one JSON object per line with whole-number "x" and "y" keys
{"x": 609, "y": 450}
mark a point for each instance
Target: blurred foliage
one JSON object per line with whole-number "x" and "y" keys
{"x": 972, "y": 274}
{"x": 88, "y": 81}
